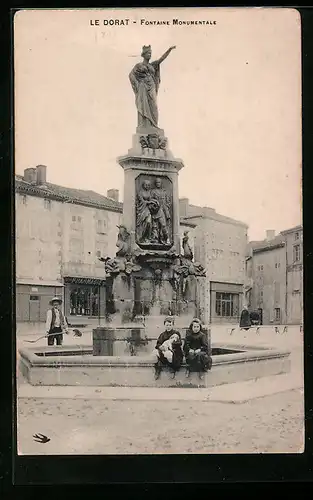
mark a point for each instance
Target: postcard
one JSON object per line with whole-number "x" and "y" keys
{"x": 159, "y": 238}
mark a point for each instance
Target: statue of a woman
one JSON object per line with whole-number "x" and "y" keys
{"x": 145, "y": 81}
{"x": 144, "y": 205}
{"x": 186, "y": 247}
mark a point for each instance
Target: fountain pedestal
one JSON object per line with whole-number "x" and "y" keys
{"x": 149, "y": 277}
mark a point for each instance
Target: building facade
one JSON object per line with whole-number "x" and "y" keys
{"x": 220, "y": 245}
{"x": 294, "y": 274}
{"x": 269, "y": 279}
{"x": 61, "y": 233}
{"x": 275, "y": 267}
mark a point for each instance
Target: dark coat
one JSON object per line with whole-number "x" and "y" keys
{"x": 196, "y": 341}
{"x": 178, "y": 354}
{"x": 164, "y": 336}
{"x": 245, "y": 321}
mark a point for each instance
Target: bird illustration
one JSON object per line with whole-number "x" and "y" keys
{"x": 41, "y": 438}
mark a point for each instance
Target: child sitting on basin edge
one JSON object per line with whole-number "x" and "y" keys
{"x": 168, "y": 350}
{"x": 196, "y": 349}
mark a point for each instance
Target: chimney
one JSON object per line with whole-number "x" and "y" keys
{"x": 113, "y": 194}
{"x": 184, "y": 207}
{"x": 270, "y": 234}
{"x": 41, "y": 175}
{"x": 208, "y": 211}
{"x": 30, "y": 175}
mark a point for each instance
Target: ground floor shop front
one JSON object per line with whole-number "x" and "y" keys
{"x": 32, "y": 299}
{"x": 82, "y": 297}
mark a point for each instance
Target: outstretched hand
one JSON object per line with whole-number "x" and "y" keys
{"x": 173, "y": 47}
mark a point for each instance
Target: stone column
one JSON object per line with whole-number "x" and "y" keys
{"x": 150, "y": 164}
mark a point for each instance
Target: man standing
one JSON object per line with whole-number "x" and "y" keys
{"x": 56, "y": 322}
{"x": 245, "y": 320}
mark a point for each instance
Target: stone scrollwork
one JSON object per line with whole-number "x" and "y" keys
{"x": 119, "y": 265}
{"x": 153, "y": 141}
{"x": 181, "y": 272}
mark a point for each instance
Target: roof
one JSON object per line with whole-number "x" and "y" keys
{"x": 292, "y": 229}
{"x": 265, "y": 245}
{"x": 197, "y": 212}
{"x": 93, "y": 199}
{"x": 67, "y": 195}
{"x": 186, "y": 222}
{"x": 218, "y": 217}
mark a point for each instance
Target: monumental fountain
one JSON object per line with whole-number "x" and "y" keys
{"x": 152, "y": 275}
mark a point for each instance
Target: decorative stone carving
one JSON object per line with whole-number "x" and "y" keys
{"x": 153, "y": 141}
{"x": 118, "y": 265}
{"x": 123, "y": 242}
{"x": 112, "y": 266}
{"x": 154, "y": 212}
{"x": 187, "y": 252}
{"x": 182, "y": 270}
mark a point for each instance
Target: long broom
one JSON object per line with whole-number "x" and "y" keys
{"x": 77, "y": 333}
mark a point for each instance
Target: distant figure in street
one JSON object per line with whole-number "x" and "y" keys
{"x": 168, "y": 350}
{"x": 56, "y": 322}
{"x": 255, "y": 318}
{"x": 245, "y": 321}
{"x": 196, "y": 349}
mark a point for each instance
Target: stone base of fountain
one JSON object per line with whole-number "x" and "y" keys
{"x": 70, "y": 366}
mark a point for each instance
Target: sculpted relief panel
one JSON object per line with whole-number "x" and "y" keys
{"x": 154, "y": 211}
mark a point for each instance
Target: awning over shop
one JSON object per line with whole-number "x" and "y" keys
{"x": 31, "y": 282}
{"x": 84, "y": 280}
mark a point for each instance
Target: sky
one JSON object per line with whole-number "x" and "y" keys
{"x": 229, "y": 103}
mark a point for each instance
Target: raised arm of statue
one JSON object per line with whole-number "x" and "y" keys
{"x": 165, "y": 55}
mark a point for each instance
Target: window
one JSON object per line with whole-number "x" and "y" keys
{"x": 296, "y": 253}
{"x": 76, "y": 249}
{"x": 47, "y": 204}
{"x": 226, "y": 304}
{"x": 101, "y": 226}
{"x": 98, "y": 253}
{"x": 76, "y": 224}
{"x": 34, "y": 297}
{"x": 277, "y": 314}
{"x": 84, "y": 301}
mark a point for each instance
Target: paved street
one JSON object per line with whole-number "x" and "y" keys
{"x": 272, "y": 424}
{"x": 97, "y": 422}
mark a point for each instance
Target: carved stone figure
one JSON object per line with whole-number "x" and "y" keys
{"x": 161, "y": 219}
{"x": 123, "y": 242}
{"x": 153, "y": 214}
{"x": 143, "y": 213}
{"x": 145, "y": 81}
{"x": 186, "y": 247}
{"x": 112, "y": 266}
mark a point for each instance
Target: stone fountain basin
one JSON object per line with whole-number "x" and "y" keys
{"x": 76, "y": 366}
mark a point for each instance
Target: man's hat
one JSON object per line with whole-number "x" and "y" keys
{"x": 55, "y": 299}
